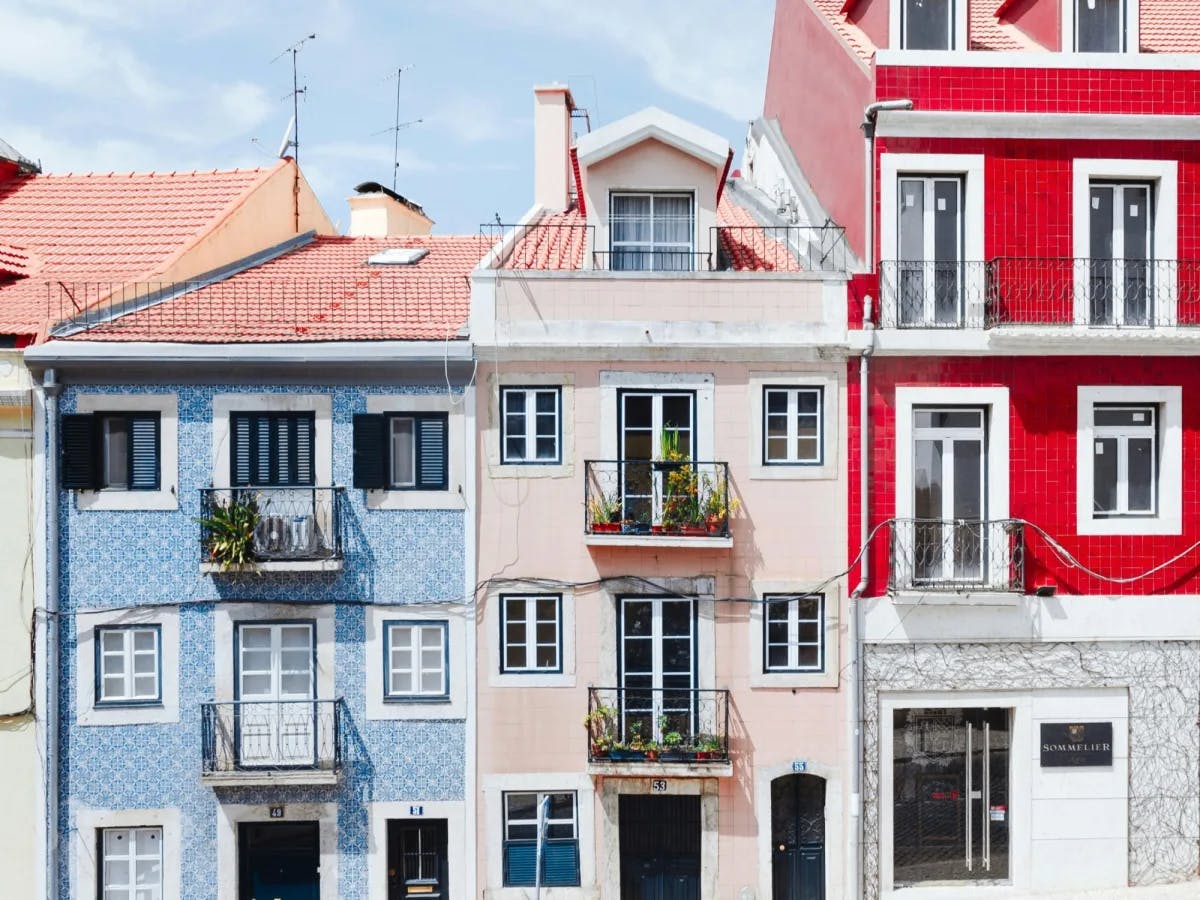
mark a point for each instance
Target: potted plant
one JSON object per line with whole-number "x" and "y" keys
{"x": 229, "y": 531}
{"x": 601, "y": 728}
{"x": 673, "y": 747}
{"x": 637, "y": 744}
{"x": 680, "y": 488}
{"x": 604, "y": 513}
{"x": 708, "y": 747}
{"x": 653, "y": 748}
{"x": 717, "y": 506}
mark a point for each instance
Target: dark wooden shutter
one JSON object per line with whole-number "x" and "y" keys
{"x": 302, "y": 449}
{"x": 431, "y": 453}
{"x": 80, "y": 460}
{"x": 370, "y": 452}
{"x": 241, "y": 427}
{"x": 144, "y": 452}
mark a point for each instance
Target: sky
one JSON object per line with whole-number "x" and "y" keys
{"x": 140, "y": 85}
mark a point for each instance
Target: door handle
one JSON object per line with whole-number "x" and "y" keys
{"x": 986, "y": 806}
{"x": 967, "y": 799}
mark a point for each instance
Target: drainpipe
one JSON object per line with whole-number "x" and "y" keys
{"x": 868, "y": 129}
{"x": 51, "y": 388}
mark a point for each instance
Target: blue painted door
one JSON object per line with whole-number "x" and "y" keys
{"x": 279, "y": 861}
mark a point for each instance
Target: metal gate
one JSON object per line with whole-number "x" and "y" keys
{"x": 660, "y": 847}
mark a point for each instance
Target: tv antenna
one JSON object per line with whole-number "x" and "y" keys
{"x": 398, "y": 126}
{"x": 291, "y": 137}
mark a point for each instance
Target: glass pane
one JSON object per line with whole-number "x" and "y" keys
{"x": 1104, "y": 475}
{"x": 144, "y": 664}
{"x": 677, "y": 413}
{"x": 403, "y": 451}
{"x": 144, "y": 640}
{"x": 401, "y": 636}
{"x": 1112, "y": 416}
{"x": 256, "y": 685}
{"x": 401, "y": 682}
{"x": 968, "y": 480}
{"x": 809, "y": 607}
{"x": 114, "y": 664}
{"x": 547, "y": 610}
{"x": 808, "y": 657}
{"x": 113, "y": 687}
{"x": 928, "y": 24}
{"x": 1136, "y": 213}
{"x": 1099, "y": 26}
{"x": 116, "y": 452}
{"x": 431, "y": 683}
{"x": 638, "y": 617}
{"x": 514, "y": 403}
{"x": 547, "y": 657}
{"x": 639, "y": 655}
{"x": 927, "y": 479}
{"x": 515, "y": 656}
{"x": 777, "y": 448}
{"x": 256, "y": 637}
{"x": 431, "y": 636}
{"x": 112, "y": 641}
{"x": 777, "y": 402}
{"x": 1141, "y": 475}
{"x": 521, "y": 806}
{"x": 547, "y": 401}
{"x": 777, "y": 656}
{"x": 677, "y": 617}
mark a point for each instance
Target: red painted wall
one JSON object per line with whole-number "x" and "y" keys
{"x": 1042, "y": 424}
{"x": 817, "y": 90}
{"x": 1039, "y": 19}
{"x": 872, "y": 17}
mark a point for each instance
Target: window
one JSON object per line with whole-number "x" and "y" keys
{"x": 272, "y": 449}
{"x": 531, "y": 633}
{"x": 793, "y": 426}
{"x": 929, "y": 250}
{"x": 1121, "y": 229}
{"x": 530, "y": 426}
{"x": 927, "y": 24}
{"x": 652, "y": 232}
{"x": 560, "y": 850}
{"x": 949, "y": 503}
{"x": 1125, "y": 466}
{"x": 416, "y": 654}
{"x": 128, "y": 665}
{"x": 793, "y": 634}
{"x": 401, "y": 451}
{"x": 111, "y": 451}
{"x": 1101, "y": 26}
{"x": 131, "y": 863}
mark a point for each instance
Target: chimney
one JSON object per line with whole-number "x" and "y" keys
{"x": 377, "y": 212}
{"x": 552, "y": 105}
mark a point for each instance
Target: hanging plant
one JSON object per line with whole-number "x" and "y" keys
{"x": 230, "y": 528}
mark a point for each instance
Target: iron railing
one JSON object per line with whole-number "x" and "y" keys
{"x": 284, "y": 523}
{"x": 780, "y": 248}
{"x": 925, "y": 294}
{"x": 955, "y": 555}
{"x": 639, "y": 260}
{"x": 648, "y": 724}
{"x": 257, "y": 735}
{"x": 539, "y": 245}
{"x": 640, "y": 496}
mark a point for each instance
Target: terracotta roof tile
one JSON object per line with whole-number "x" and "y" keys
{"x": 1169, "y": 26}
{"x": 853, "y": 36}
{"x": 324, "y": 291}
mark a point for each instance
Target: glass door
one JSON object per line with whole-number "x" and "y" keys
{"x": 652, "y": 423}
{"x": 1119, "y": 268}
{"x": 276, "y": 683}
{"x": 950, "y": 773}
{"x": 948, "y": 495}
{"x": 658, "y": 669}
{"x": 929, "y": 292}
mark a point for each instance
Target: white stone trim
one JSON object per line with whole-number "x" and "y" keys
{"x": 1169, "y": 520}
{"x": 1133, "y": 34}
{"x": 452, "y": 497}
{"x": 831, "y": 395}
{"x": 837, "y": 840}
{"x": 1165, "y": 175}
{"x": 832, "y": 637}
{"x": 1034, "y": 59}
{"x": 490, "y": 436}
{"x": 996, "y": 399}
{"x": 613, "y": 381}
{"x": 895, "y": 35}
{"x": 494, "y": 787}
{"x": 89, "y": 821}
{"x": 652, "y": 123}
{"x": 455, "y": 615}
{"x": 497, "y": 678}
{"x": 458, "y": 848}
{"x": 319, "y": 404}
{"x": 226, "y": 618}
{"x": 167, "y": 495}
{"x": 1062, "y": 126}
{"x": 86, "y": 623}
{"x": 230, "y": 815}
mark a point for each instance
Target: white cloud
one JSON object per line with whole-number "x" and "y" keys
{"x": 473, "y": 119}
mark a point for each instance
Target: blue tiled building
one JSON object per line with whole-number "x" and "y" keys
{"x": 265, "y": 558}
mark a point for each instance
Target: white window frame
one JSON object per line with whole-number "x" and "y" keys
{"x": 969, "y": 167}
{"x": 166, "y": 710}
{"x": 1122, "y": 434}
{"x": 417, "y": 639}
{"x": 529, "y": 437}
{"x": 88, "y": 867}
{"x": 167, "y": 495}
{"x": 829, "y": 674}
{"x": 1169, "y": 517}
{"x": 128, "y": 655}
{"x": 456, "y": 407}
{"x": 793, "y": 621}
{"x": 531, "y": 622}
{"x": 1164, "y": 175}
{"x": 791, "y": 416}
{"x": 493, "y": 616}
{"x": 1070, "y": 33}
{"x": 652, "y": 246}
{"x": 831, "y": 386}
{"x": 492, "y": 432}
{"x": 539, "y": 796}
{"x": 458, "y": 619}
{"x": 132, "y": 889}
{"x": 896, "y": 28}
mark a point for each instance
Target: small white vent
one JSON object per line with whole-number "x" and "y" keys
{"x": 399, "y": 256}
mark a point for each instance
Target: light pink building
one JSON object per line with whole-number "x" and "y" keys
{"x": 662, "y": 484}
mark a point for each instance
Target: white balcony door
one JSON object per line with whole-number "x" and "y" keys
{"x": 929, "y": 287}
{"x": 949, "y": 487}
{"x": 646, "y": 418}
{"x": 658, "y": 639}
{"x": 1120, "y": 230}
{"x": 276, "y": 727}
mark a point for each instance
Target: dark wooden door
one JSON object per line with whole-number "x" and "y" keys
{"x": 798, "y": 837}
{"x": 660, "y": 847}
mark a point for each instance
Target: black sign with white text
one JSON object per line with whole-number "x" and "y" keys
{"x": 1077, "y": 744}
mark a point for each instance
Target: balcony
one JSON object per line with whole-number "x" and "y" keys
{"x": 643, "y": 503}
{"x": 780, "y": 248}
{"x": 947, "y": 557}
{"x": 640, "y": 731}
{"x": 261, "y": 529}
{"x": 1133, "y": 294}
{"x": 263, "y": 742}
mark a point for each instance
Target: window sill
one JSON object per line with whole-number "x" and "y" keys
{"x": 956, "y": 598}
{"x": 267, "y": 777}
{"x": 659, "y": 540}
{"x": 274, "y": 565}
{"x": 443, "y": 700}
{"x": 126, "y": 501}
{"x": 402, "y": 500}
{"x": 1129, "y": 527}
{"x": 646, "y": 769}
{"x": 105, "y": 705}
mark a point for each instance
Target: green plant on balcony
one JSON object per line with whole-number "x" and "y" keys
{"x": 230, "y": 527}
{"x": 601, "y": 725}
{"x": 716, "y": 506}
{"x": 681, "y": 486}
{"x": 708, "y": 746}
{"x": 604, "y": 511}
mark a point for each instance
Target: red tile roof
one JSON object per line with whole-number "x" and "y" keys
{"x": 854, "y": 37}
{"x": 323, "y": 291}
{"x": 106, "y": 227}
{"x": 1169, "y": 26}
{"x": 18, "y": 261}
{"x": 750, "y": 247}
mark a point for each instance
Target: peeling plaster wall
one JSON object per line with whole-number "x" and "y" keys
{"x": 1163, "y": 680}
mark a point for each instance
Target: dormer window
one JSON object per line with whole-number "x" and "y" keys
{"x": 652, "y": 232}
{"x": 928, "y": 24}
{"x": 1101, "y": 26}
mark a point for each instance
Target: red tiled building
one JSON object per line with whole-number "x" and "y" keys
{"x": 1028, "y": 317}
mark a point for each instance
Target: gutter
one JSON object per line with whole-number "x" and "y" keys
{"x": 870, "y": 114}
{"x": 52, "y": 388}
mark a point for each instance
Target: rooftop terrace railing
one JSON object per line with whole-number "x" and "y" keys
{"x": 780, "y": 248}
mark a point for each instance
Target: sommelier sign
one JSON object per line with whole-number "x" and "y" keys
{"x": 1079, "y": 744}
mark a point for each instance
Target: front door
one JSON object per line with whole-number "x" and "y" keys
{"x": 950, "y": 795}
{"x": 653, "y": 424}
{"x": 417, "y": 860}
{"x": 658, "y": 670}
{"x": 660, "y": 847}
{"x": 279, "y": 861}
{"x": 798, "y": 837}
{"x": 276, "y": 712}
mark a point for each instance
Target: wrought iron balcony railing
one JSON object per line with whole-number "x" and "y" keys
{"x": 273, "y": 523}
{"x": 927, "y": 294}
{"x": 953, "y": 556}
{"x": 639, "y": 496}
{"x": 780, "y": 248}
{"x": 648, "y": 724}
{"x": 640, "y": 260}
{"x": 257, "y": 736}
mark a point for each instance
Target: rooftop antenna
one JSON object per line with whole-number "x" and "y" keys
{"x": 398, "y": 126}
{"x": 291, "y": 137}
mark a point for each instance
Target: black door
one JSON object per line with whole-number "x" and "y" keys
{"x": 660, "y": 847}
{"x": 798, "y": 837}
{"x": 279, "y": 861}
{"x": 417, "y": 860}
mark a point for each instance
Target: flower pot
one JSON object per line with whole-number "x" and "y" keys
{"x": 627, "y": 755}
{"x": 694, "y": 530}
{"x": 702, "y": 755}
{"x": 652, "y": 756}
{"x": 715, "y": 524}
{"x": 656, "y": 529}
{"x": 673, "y": 756}
{"x": 606, "y": 528}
